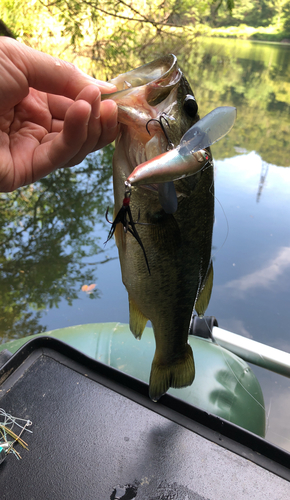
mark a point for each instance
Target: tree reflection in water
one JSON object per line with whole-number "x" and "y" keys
{"x": 46, "y": 231}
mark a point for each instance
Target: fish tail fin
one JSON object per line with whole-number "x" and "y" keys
{"x": 137, "y": 319}
{"x": 179, "y": 374}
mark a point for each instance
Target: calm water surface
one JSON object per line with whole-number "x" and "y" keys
{"x": 52, "y": 234}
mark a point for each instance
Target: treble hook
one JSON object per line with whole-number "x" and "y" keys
{"x": 170, "y": 144}
{"x": 125, "y": 217}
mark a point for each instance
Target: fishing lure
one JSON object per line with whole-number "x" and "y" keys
{"x": 190, "y": 156}
{"x": 124, "y": 216}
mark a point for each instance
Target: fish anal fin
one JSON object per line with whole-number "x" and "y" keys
{"x": 178, "y": 374}
{"x": 137, "y": 319}
{"x": 205, "y": 294}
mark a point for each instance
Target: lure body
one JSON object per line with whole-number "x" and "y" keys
{"x": 190, "y": 155}
{"x": 167, "y": 167}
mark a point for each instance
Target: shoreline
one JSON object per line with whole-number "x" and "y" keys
{"x": 242, "y": 39}
{"x": 250, "y": 40}
{"x": 268, "y": 34}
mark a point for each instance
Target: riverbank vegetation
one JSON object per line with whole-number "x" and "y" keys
{"x": 263, "y": 20}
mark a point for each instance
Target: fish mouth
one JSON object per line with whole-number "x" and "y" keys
{"x": 142, "y": 91}
{"x": 159, "y": 77}
{"x": 144, "y": 96}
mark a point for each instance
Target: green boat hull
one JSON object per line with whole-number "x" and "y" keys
{"x": 224, "y": 384}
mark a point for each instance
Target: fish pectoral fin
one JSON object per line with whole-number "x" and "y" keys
{"x": 205, "y": 294}
{"x": 178, "y": 374}
{"x": 137, "y": 319}
{"x": 167, "y": 197}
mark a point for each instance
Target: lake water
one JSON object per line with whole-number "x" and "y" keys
{"x": 52, "y": 235}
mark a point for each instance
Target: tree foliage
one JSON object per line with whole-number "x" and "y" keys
{"x": 108, "y": 36}
{"x": 256, "y": 13}
{"x": 286, "y": 14}
{"x": 102, "y": 36}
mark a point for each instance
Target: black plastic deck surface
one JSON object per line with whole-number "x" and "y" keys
{"x": 97, "y": 436}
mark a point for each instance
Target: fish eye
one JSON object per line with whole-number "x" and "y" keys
{"x": 190, "y": 106}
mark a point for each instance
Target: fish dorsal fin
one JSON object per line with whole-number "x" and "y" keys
{"x": 205, "y": 294}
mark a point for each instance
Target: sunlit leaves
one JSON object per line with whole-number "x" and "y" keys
{"x": 108, "y": 37}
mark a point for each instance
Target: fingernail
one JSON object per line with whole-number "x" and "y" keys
{"x": 100, "y": 83}
{"x": 106, "y": 84}
{"x": 88, "y": 117}
{"x": 112, "y": 120}
{"x": 96, "y": 108}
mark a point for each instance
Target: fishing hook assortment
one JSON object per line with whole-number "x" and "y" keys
{"x": 170, "y": 144}
{"x": 7, "y": 423}
{"x": 125, "y": 217}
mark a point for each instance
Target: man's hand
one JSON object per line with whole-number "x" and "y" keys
{"x": 51, "y": 115}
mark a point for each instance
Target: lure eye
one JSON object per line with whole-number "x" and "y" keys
{"x": 190, "y": 106}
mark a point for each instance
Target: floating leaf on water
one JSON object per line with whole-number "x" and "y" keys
{"x": 91, "y": 287}
{"x": 88, "y": 288}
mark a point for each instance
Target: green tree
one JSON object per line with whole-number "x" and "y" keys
{"x": 286, "y": 15}
{"x": 122, "y": 33}
{"x": 217, "y": 5}
{"x": 249, "y": 12}
{"x": 108, "y": 37}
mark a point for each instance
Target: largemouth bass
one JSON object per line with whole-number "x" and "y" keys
{"x": 175, "y": 219}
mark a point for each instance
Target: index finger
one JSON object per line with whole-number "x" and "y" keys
{"x": 47, "y": 73}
